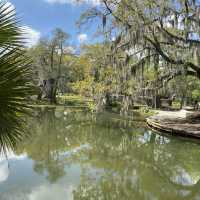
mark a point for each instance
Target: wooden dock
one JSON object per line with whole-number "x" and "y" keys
{"x": 175, "y": 123}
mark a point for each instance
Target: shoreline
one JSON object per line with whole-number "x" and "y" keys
{"x": 175, "y": 123}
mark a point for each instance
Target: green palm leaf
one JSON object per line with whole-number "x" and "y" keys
{"x": 15, "y": 76}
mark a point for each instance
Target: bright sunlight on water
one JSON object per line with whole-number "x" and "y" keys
{"x": 72, "y": 154}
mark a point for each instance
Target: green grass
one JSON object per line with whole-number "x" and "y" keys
{"x": 176, "y": 104}
{"x": 76, "y": 100}
{"x": 143, "y": 112}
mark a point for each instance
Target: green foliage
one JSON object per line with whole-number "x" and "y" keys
{"x": 101, "y": 77}
{"x": 10, "y": 32}
{"x": 49, "y": 65}
{"x": 155, "y": 41}
{"x": 187, "y": 87}
{"x": 75, "y": 101}
{"x": 15, "y": 85}
{"x": 196, "y": 94}
{"x": 153, "y": 45}
{"x": 194, "y": 88}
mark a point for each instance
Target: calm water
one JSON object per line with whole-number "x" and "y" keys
{"x": 76, "y": 155}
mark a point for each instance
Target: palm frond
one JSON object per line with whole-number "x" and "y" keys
{"x": 15, "y": 79}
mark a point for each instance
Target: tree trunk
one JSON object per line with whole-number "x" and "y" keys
{"x": 182, "y": 101}
{"x": 49, "y": 87}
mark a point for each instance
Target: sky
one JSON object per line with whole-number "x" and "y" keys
{"x": 40, "y": 17}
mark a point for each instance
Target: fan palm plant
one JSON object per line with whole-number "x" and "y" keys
{"x": 15, "y": 84}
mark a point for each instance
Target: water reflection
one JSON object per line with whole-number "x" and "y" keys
{"x": 75, "y": 155}
{"x": 4, "y": 164}
{"x": 4, "y": 171}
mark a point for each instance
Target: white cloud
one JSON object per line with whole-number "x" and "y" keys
{"x": 11, "y": 156}
{"x": 67, "y": 50}
{"x": 70, "y": 49}
{"x": 82, "y": 37}
{"x": 4, "y": 159}
{"x": 52, "y": 192}
{"x": 31, "y": 36}
{"x": 40, "y": 192}
{"x": 113, "y": 38}
{"x": 74, "y": 2}
{"x": 4, "y": 171}
{"x": 57, "y": 1}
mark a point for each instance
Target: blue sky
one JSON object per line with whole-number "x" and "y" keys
{"x": 42, "y": 16}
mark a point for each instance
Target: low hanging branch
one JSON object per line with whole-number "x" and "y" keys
{"x": 155, "y": 29}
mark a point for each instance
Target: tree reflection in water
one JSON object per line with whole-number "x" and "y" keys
{"x": 130, "y": 162}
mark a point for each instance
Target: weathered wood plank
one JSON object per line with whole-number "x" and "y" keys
{"x": 176, "y": 123}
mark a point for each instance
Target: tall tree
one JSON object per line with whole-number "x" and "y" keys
{"x": 48, "y": 62}
{"x": 162, "y": 33}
